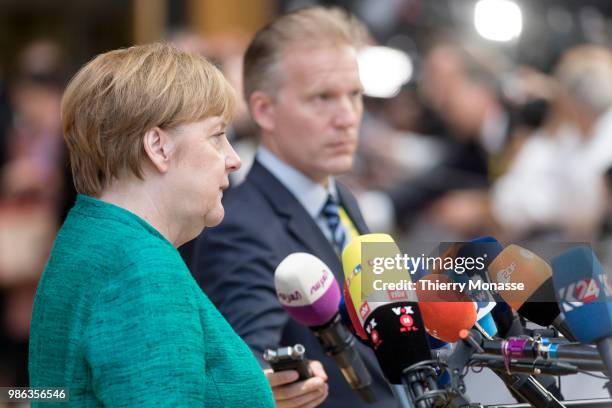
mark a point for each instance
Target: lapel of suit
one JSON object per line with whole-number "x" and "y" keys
{"x": 298, "y": 222}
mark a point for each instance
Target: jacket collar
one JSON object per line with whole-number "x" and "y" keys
{"x": 297, "y": 220}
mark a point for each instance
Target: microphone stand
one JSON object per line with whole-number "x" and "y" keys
{"x": 535, "y": 366}
{"x": 421, "y": 381}
{"x": 585, "y": 403}
{"x": 525, "y": 386}
{"x": 604, "y": 346}
{"x": 399, "y": 393}
{"x": 339, "y": 343}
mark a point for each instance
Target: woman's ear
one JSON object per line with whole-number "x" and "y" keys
{"x": 262, "y": 110}
{"x": 158, "y": 146}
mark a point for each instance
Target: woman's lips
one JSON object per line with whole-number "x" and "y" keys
{"x": 223, "y": 188}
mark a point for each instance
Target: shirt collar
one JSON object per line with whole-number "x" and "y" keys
{"x": 310, "y": 194}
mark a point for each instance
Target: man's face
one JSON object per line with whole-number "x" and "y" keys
{"x": 317, "y": 111}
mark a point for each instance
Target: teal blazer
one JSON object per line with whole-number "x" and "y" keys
{"x": 119, "y": 321}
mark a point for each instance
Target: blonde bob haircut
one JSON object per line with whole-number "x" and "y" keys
{"x": 118, "y": 96}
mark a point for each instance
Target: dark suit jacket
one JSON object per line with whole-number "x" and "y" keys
{"x": 234, "y": 263}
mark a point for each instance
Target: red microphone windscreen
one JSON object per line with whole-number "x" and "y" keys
{"x": 445, "y": 312}
{"x": 350, "y": 308}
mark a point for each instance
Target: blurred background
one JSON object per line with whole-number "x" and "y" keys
{"x": 482, "y": 117}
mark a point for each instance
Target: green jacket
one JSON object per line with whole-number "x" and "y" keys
{"x": 119, "y": 321}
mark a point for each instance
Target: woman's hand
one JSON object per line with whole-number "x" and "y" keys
{"x": 303, "y": 394}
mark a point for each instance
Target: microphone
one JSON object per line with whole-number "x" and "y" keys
{"x": 352, "y": 321}
{"x": 507, "y": 323}
{"x": 435, "y": 343}
{"x": 501, "y": 320}
{"x": 392, "y": 320}
{"x": 393, "y": 323}
{"x": 584, "y": 291}
{"x": 419, "y": 271}
{"x": 523, "y": 355}
{"x": 482, "y": 299}
{"x": 308, "y": 291}
{"x": 542, "y": 348}
{"x": 487, "y": 248}
{"x": 516, "y": 265}
{"x": 445, "y": 313}
{"x": 530, "y": 366}
{"x": 523, "y": 387}
{"x": 475, "y": 256}
{"x": 350, "y": 316}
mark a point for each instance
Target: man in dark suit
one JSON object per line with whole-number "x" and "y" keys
{"x": 302, "y": 86}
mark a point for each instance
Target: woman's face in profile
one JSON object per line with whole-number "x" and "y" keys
{"x": 199, "y": 174}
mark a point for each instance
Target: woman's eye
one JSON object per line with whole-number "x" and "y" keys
{"x": 218, "y": 137}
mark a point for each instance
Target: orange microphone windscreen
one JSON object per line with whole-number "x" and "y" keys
{"x": 445, "y": 312}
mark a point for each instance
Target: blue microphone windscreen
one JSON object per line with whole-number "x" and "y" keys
{"x": 346, "y": 319}
{"x": 488, "y": 324}
{"x": 486, "y": 247}
{"x": 436, "y": 343}
{"x": 419, "y": 272}
{"x": 584, "y": 293}
{"x": 485, "y": 300}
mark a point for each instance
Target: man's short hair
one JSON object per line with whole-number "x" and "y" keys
{"x": 118, "y": 96}
{"x": 308, "y": 27}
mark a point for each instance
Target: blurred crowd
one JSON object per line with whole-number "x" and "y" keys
{"x": 518, "y": 153}
{"x": 34, "y": 193}
{"x": 474, "y": 144}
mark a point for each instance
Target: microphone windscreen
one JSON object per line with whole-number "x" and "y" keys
{"x": 436, "y": 343}
{"x": 584, "y": 291}
{"x": 487, "y": 248}
{"x": 487, "y": 324}
{"x": 519, "y": 265}
{"x": 366, "y": 248}
{"x": 398, "y": 337}
{"x": 504, "y": 320}
{"x": 484, "y": 299}
{"x": 351, "y": 263}
{"x": 445, "y": 312}
{"x": 352, "y": 314}
{"x": 391, "y": 319}
{"x": 307, "y": 289}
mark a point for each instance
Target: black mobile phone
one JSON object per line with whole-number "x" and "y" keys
{"x": 289, "y": 358}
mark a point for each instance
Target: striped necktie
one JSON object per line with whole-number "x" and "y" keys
{"x": 336, "y": 228}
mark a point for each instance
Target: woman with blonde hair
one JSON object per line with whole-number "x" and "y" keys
{"x": 118, "y": 318}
